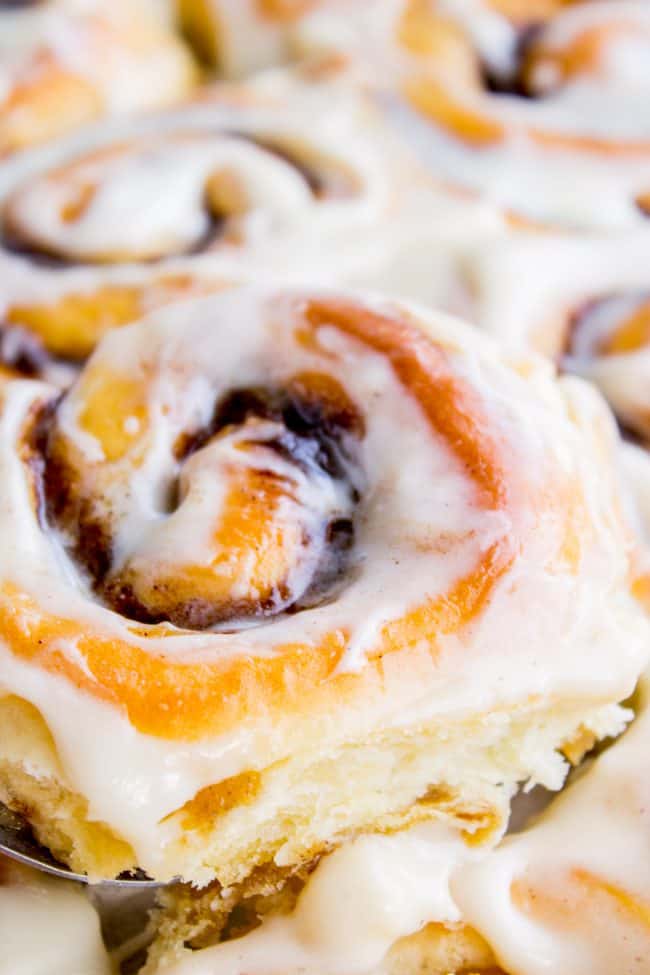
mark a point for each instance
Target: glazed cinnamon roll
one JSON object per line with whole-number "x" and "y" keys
{"x": 122, "y": 219}
{"x": 65, "y": 63}
{"x": 47, "y": 927}
{"x": 290, "y": 553}
{"x": 539, "y": 106}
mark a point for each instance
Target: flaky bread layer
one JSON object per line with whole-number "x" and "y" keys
{"x": 286, "y": 815}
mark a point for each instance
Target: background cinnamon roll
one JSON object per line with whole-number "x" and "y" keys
{"x": 268, "y": 546}
{"x": 537, "y": 106}
{"x": 105, "y": 226}
{"x": 64, "y": 63}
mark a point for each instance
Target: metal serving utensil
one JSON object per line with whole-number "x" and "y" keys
{"x": 18, "y": 842}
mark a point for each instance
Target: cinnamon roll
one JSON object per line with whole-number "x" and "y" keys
{"x": 300, "y": 560}
{"x": 106, "y": 226}
{"x": 538, "y": 106}
{"x": 47, "y": 927}
{"x": 64, "y": 63}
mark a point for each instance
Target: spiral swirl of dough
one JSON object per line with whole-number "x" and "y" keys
{"x": 537, "y": 106}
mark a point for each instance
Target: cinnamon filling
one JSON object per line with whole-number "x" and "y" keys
{"x": 21, "y": 351}
{"x": 515, "y": 81}
{"x": 315, "y": 433}
{"x": 539, "y": 70}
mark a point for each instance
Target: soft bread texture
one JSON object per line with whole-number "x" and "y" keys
{"x": 438, "y": 950}
{"x": 33, "y": 784}
{"x": 242, "y": 753}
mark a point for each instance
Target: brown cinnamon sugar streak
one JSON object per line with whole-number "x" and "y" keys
{"x": 450, "y": 405}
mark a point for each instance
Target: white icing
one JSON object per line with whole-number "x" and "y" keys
{"x": 636, "y": 472}
{"x": 590, "y": 188}
{"x": 47, "y": 927}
